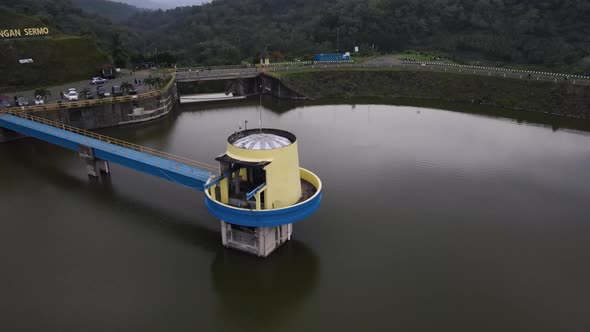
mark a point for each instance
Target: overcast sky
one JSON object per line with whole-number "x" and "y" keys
{"x": 164, "y": 4}
{"x": 177, "y": 3}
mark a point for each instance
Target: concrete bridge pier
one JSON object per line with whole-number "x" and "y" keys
{"x": 94, "y": 166}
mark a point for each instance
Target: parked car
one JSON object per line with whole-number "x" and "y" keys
{"x": 39, "y": 100}
{"x": 4, "y": 101}
{"x": 132, "y": 91}
{"x": 102, "y": 92}
{"x": 21, "y": 101}
{"x": 98, "y": 80}
{"x": 116, "y": 90}
{"x": 89, "y": 95}
{"x": 72, "y": 95}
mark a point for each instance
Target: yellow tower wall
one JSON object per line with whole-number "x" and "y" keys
{"x": 282, "y": 174}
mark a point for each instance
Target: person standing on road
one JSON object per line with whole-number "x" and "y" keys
{"x": 61, "y": 94}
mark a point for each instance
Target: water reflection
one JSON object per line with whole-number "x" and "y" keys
{"x": 256, "y": 292}
{"x": 251, "y": 291}
{"x": 279, "y": 106}
{"x": 102, "y": 192}
{"x": 447, "y": 216}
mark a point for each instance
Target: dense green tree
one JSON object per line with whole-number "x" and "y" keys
{"x": 538, "y": 32}
{"x": 548, "y": 32}
{"x": 126, "y": 86}
{"x": 42, "y": 92}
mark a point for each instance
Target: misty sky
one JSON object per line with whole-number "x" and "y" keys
{"x": 163, "y": 4}
{"x": 177, "y": 3}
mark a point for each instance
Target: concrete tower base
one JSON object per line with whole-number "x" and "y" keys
{"x": 260, "y": 241}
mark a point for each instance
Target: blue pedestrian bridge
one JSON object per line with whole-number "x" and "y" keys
{"x": 98, "y": 148}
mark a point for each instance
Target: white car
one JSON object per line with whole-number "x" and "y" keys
{"x": 98, "y": 80}
{"x": 72, "y": 95}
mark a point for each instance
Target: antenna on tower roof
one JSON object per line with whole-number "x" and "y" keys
{"x": 260, "y": 110}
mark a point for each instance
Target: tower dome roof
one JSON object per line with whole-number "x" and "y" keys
{"x": 262, "y": 141}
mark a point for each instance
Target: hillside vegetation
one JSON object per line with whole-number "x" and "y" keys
{"x": 115, "y": 11}
{"x": 551, "y": 33}
{"x": 116, "y": 40}
{"x": 545, "y": 97}
{"x": 57, "y": 59}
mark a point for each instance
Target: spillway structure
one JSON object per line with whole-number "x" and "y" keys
{"x": 261, "y": 191}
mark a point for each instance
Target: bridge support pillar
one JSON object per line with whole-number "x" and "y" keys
{"x": 94, "y": 166}
{"x": 259, "y": 241}
{"x": 103, "y": 166}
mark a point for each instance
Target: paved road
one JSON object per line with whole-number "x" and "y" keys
{"x": 384, "y": 63}
{"x": 190, "y": 75}
{"x": 232, "y": 72}
{"x": 55, "y": 96}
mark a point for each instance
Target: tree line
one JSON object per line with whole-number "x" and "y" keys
{"x": 538, "y": 32}
{"x": 550, "y": 33}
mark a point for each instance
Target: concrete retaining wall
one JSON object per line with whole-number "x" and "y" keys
{"x": 109, "y": 114}
{"x": 278, "y": 89}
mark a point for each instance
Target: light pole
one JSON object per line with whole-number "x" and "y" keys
{"x": 260, "y": 110}
{"x": 157, "y": 64}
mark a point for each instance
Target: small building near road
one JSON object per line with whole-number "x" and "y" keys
{"x": 264, "y": 58}
{"x": 108, "y": 71}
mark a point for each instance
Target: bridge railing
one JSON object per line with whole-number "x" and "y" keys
{"x": 87, "y": 103}
{"x": 497, "y": 69}
{"x": 110, "y": 140}
{"x": 574, "y": 79}
{"x": 217, "y": 74}
{"x": 206, "y": 68}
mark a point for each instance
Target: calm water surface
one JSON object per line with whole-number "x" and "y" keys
{"x": 431, "y": 221}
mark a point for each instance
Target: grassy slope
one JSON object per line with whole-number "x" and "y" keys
{"x": 57, "y": 59}
{"x": 544, "y": 97}
{"x": 12, "y": 20}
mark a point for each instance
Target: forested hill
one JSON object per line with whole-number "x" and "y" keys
{"x": 115, "y": 11}
{"x": 117, "y": 40}
{"x": 57, "y": 57}
{"x": 542, "y": 32}
{"x": 551, "y": 33}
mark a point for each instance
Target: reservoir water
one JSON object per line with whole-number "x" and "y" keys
{"x": 431, "y": 220}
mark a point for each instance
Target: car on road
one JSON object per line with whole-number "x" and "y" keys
{"x": 39, "y": 100}
{"x": 102, "y": 92}
{"x": 21, "y": 101}
{"x": 72, "y": 95}
{"x": 88, "y": 95}
{"x": 98, "y": 80}
{"x": 4, "y": 101}
{"x": 116, "y": 90}
{"x": 132, "y": 91}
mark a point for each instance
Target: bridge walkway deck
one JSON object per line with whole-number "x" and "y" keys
{"x": 173, "y": 168}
